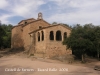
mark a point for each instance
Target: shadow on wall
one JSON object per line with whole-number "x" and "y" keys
{"x": 17, "y": 41}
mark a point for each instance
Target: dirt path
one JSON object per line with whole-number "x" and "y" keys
{"x": 16, "y": 65}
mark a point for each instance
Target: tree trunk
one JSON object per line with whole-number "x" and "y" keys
{"x": 83, "y": 60}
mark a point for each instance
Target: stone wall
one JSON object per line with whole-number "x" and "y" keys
{"x": 54, "y": 47}
{"x": 26, "y": 37}
{"x": 49, "y": 48}
{"x": 17, "y": 41}
{"x": 40, "y": 23}
{"x": 40, "y": 46}
{"x": 29, "y": 28}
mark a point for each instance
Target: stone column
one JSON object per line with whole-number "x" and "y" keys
{"x": 40, "y": 36}
{"x": 54, "y": 33}
{"x": 62, "y": 36}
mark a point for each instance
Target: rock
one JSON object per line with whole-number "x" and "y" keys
{"x": 97, "y": 68}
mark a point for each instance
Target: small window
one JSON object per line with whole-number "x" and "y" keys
{"x": 25, "y": 22}
{"x": 51, "y": 35}
{"x": 38, "y": 36}
{"x": 40, "y": 27}
{"x": 42, "y": 35}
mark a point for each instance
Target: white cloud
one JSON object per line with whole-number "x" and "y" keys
{"x": 87, "y": 12}
{"x": 4, "y": 18}
{"x": 3, "y": 4}
{"x": 77, "y": 17}
{"x": 23, "y": 8}
{"x": 26, "y": 8}
{"x": 66, "y": 11}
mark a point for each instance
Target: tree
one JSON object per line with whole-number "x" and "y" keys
{"x": 54, "y": 23}
{"x": 5, "y": 35}
{"x": 2, "y": 33}
{"x": 97, "y": 40}
{"x": 79, "y": 42}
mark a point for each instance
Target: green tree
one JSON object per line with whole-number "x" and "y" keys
{"x": 97, "y": 40}
{"x": 6, "y": 35}
{"x": 79, "y": 42}
{"x": 2, "y": 33}
{"x": 54, "y": 23}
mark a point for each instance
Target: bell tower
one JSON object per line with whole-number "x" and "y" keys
{"x": 40, "y": 15}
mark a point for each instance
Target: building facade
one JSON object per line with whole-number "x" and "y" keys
{"x": 40, "y": 38}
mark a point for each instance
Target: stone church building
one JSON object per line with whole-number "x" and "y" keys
{"x": 38, "y": 37}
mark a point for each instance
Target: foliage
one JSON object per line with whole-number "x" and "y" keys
{"x": 2, "y": 33}
{"x": 5, "y": 35}
{"x": 84, "y": 40}
{"x": 54, "y": 23}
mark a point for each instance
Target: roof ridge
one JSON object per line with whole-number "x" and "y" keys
{"x": 35, "y": 21}
{"x": 26, "y": 20}
{"x": 50, "y": 26}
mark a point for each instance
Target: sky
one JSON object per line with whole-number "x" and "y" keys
{"x": 61, "y": 11}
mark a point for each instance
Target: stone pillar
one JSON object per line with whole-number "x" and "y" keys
{"x": 62, "y": 36}
{"x": 54, "y": 33}
{"x": 36, "y": 37}
{"x": 40, "y": 36}
{"x": 31, "y": 38}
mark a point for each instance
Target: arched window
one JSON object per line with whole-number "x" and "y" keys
{"x": 58, "y": 36}
{"x": 51, "y": 35}
{"x": 38, "y": 36}
{"x": 65, "y": 35}
{"x": 42, "y": 35}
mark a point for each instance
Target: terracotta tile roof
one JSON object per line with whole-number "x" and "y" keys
{"x": 17, "y": 25}
{"x": 27, "y": 19}
{"x": 22, "y": 24}
{"x": 51, "y": 26}
{"x": 35, "y": 21}
{"x": 29, "y": 23}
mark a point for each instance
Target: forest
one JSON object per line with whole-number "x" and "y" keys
{"x": 5, "y": 36}
{"x": 84, "y": 40}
